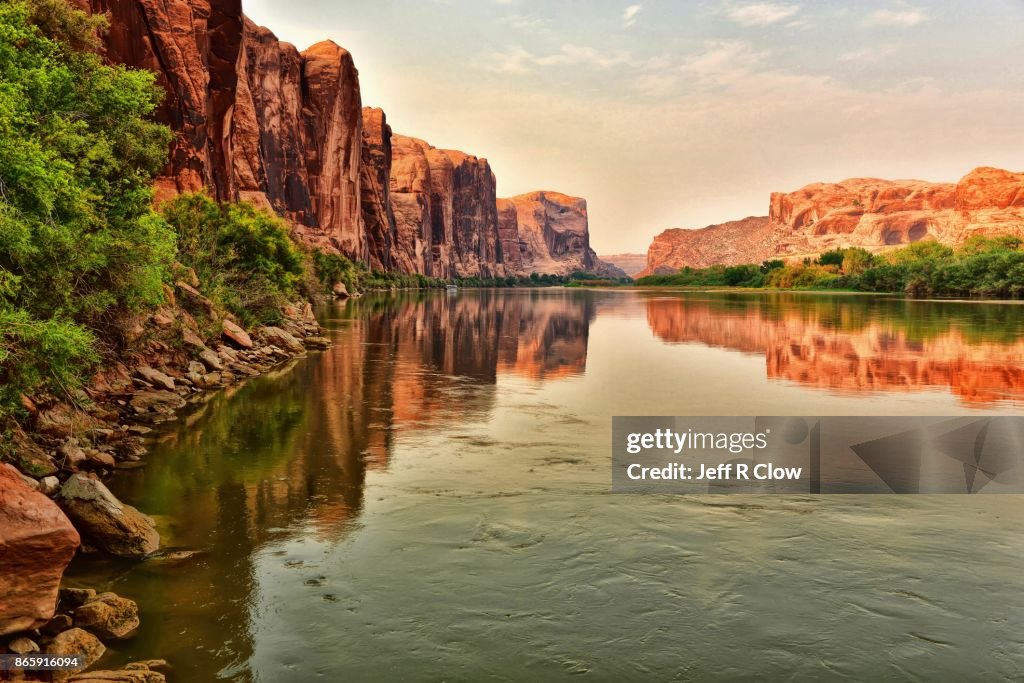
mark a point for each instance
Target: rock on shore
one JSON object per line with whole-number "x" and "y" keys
{"x": 36, "y": 543}
{"x": 113, "y": 526}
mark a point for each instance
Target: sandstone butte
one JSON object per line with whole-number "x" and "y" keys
{"x": 257, "y": 120}
{"x": 864, "y": 212}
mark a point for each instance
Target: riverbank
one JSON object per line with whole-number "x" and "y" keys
{"x": 55, "y": 499}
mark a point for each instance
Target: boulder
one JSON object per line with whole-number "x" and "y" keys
{"x": 340, "y": 290}
{"x": 108, "y": 616}
{"x": 192, "y": 339}
{"x": 59, "y": 420}
{"x": 278, "y": 337}
{"x": 36, "y": 543}
{"x": 100, "y": 459}
{"x": 155, "y": 377}
{"x": 71, "y": 456}
{"x": 163, "y": 319}
{"x": 49, "y": 485}
{"x": 75, "y": 641}
{"x": 23, "y": 646}
{"x": 162, "y": 402}
{"x": 71, "y": 598}
{"x": 30, "y": 458}
{"x": 109, "y": 524}
{"x": 211, "y": 360}
{"x": 192, "y": 295}
{"x": 236, "y": 335}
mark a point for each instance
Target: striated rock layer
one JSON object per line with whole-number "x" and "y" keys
{"x": 867, "y": 212}
{"x": 258, "y": 120}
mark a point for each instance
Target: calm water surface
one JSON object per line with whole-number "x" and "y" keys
{"x": 429, "y": 500}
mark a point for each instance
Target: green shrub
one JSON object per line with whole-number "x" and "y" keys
{"x": 244, "y": 257}
{"x": 80, "y": 246}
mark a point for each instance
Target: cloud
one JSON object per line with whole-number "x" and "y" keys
{"x": 724, "y": 61}
{"x": 874, "y": 54}
{"x": 629, "y": 16}
{"x": 524, "y": 22}
{"x": 761, "y": 13}
{"x": 519, "y": 60}
{"x": 901, "y": 17}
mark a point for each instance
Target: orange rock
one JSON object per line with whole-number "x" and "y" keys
{"x": 554, "y": 234}
{"x": 375, "y": 177}
{"x": 36, "y": 543}
{"x": 866, "y": 212}
{"x": 236, "y": 335}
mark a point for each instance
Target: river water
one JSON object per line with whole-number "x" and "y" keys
{"x": 430, "y": 500}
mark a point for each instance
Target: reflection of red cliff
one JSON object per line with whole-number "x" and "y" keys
{"x": 875, "y": 357}
{"x": 449, "y": 351}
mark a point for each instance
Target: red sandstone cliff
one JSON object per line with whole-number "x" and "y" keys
{"x": 375, "y": 176}
{"x": 257, "y": 120}
{"x": 554, "y": 234}
{"x": 865, "y": 212}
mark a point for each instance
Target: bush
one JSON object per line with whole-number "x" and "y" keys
{"x": 80, "y": 246}
{"x": 244, "y": 256}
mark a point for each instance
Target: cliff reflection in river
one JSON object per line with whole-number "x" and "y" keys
{"x": 853, "y": 344}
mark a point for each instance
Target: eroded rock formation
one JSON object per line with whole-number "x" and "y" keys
{"x": 375, "y": 177}
{"x": 554, "y": 234}
{"x": 867, "y": 212}
{"x": 257, "y": 120}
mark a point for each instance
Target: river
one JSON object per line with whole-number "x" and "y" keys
{"x": 430, "y": 499}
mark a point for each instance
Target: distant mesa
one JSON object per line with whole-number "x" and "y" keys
{"x": 257, "y": 120}
{"x": 865, "y": 212}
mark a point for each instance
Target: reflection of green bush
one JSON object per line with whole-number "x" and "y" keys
{"x": 244, "y": 437}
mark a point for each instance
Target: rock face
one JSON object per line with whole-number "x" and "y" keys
{"x": 414, "y": 203}
{"x": 445, "y": 210}
{"x": 749, "y": 240}
{"x": 36, "y": 543}
{"x": 257, "y": 120}
{"x": 866, "y": 212}
{"x": 194, "y": 49}
{"x": 375, "y": 177}
{"x": 554, "y": 234}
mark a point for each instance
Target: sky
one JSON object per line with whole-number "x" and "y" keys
{"x": 684, "y": 113}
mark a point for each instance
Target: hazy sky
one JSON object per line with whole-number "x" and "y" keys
{"x": 684, "y": 113}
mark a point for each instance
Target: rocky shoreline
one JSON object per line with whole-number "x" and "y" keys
{"x": 53, "y": 499}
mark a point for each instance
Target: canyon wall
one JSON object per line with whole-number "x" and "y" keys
{"x": 865, "y": 212}
{"x": 256, "y": 119}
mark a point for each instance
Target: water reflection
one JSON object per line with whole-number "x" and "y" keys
{"x": 288, "y": 453}
{"x": 853, "y": 344}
